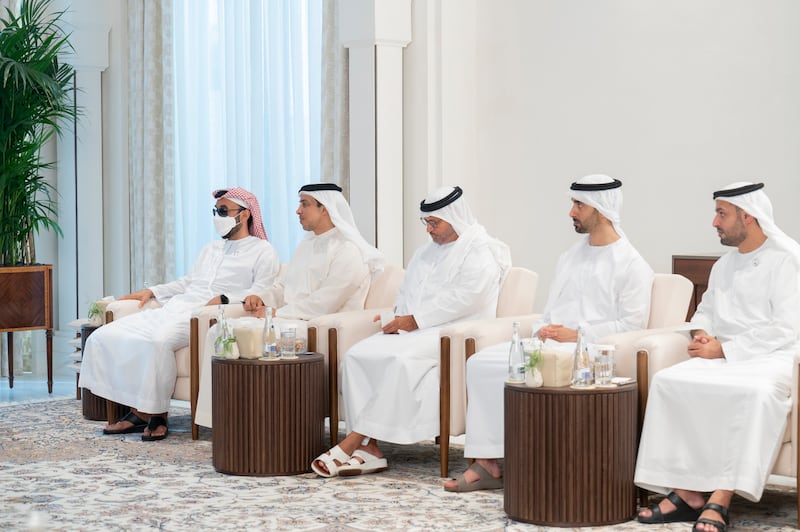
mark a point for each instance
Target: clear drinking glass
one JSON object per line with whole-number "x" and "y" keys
{"x": 603, "y": 364}
{"x": 288, "y": 348}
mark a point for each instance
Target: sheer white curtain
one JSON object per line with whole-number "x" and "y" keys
{"x": 247, "y": 112}
{"x": 150, "y": 142}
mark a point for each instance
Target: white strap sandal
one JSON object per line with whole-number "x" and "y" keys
{"x": 362, "y": 463}
{"x": 335, "y": 453}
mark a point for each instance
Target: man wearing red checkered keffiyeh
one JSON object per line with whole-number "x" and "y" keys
{"x": 131, "y": 361}
{"x": 245, "y": 198}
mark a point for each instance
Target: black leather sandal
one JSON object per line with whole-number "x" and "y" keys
{"x": 682, "y": 512}
{"x": 153, "y": 424}
{"x": 719, "y": 525}
{"x": 138, "y": 424}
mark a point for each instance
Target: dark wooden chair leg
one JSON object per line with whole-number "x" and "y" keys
{"x": 10, "y": 345}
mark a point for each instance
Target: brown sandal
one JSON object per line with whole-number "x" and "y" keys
{"x": 485, "y": 481}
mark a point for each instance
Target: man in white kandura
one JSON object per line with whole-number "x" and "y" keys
{"x": 330, "y": 271}
{"x": 131, "y": 361}
{"x": 602, "y": 284}
{"x": 390, "y": 380}
{"x": 714, "y": 422}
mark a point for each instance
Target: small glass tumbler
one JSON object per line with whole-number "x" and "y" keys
{"x": 288, "y": 347}
{"x": 603, "y": 364}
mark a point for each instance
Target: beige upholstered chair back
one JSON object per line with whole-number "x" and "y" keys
{"x": 383, "y": 289}
{"x": 669, "y": 300}
{"x": 517, "y": 292}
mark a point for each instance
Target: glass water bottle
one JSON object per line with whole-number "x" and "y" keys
{"x": 270, "y": 337}
{"x": 516, "y": 359}
{"x": 581, "y": 365}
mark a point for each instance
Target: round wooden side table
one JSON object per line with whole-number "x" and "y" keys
{"x": 268, "y": 416}
{"x": 570, "y": 455}
{"x": 94, "y": 407}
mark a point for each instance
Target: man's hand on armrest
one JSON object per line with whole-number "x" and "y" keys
{"x": 399, "y": 323}
{"x": 143, "y": 296}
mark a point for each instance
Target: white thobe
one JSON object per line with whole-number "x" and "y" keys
{"x": 390, "y": 382}
{"x": 604, "y": 289}
{"x": 327, "y": 274}
{"x": 131, "y": 361}
{"x": 718, "y": 423}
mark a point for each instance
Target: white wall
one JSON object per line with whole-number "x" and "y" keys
{"x": 676, "y": 99}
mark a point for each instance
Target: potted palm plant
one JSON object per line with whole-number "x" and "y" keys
{"x": 36, "y": 98}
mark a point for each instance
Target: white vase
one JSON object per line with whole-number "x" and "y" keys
{"x": 533, "y": 378}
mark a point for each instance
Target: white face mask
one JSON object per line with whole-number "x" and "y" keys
{"x": 226, "y": 225}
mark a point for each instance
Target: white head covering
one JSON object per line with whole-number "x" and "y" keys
{"x": 752, "y": 199}
{"x": 331, "y": 196}
{"x": 448, "y": 204}
{"x": 604, "y": 194}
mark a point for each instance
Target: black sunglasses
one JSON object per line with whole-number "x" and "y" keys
{"x": 223, "y": 211}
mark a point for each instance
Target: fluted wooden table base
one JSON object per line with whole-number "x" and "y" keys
{"x": 96, "y": 408}
{"x": 570, "y": 455}
{"x": 92, "y": 406}
{"x": 268, "y": 417}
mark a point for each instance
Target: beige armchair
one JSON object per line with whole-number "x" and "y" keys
{"x": 665, "y": 348}
{"x": 668, "y": 304}
{"x": 336, "y": 333}
{"x": 187, "y": 381}
{"x": 515, "y": 303}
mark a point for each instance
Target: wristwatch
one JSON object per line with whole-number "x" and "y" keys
{"x": 224, "y": 299}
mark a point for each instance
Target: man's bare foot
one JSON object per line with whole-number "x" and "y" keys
{"x": 133, "y": 421}
{"x": 489, "y": 464}
{"x": 157, "y": 428}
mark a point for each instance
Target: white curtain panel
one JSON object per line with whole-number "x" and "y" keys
{"x": 248, "y": 111}
{"x": 151, "y": 144}
{"x": 13, "y": 5}
{"x": 335, "y": 111}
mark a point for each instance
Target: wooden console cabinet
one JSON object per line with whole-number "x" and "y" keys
{"x": 26, "y": 293}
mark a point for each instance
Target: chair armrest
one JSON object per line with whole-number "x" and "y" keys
{"x": 627, "y": 344}
{"x": 485, "y": 332}
{"x": 463, "y": 339}
{"x": 209, "y": 312}
{"x": 662, "y": 350}
{"x": 125, "y": 307}
{"x": 351, "y": 327}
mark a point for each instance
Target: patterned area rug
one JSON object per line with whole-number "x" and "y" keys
{"x": 58, "y": 472}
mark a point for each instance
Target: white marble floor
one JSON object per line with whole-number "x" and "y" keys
{"x": 27, "y": 388}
